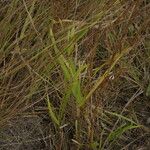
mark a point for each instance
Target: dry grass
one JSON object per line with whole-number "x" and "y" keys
{"x": 82, "y": 67}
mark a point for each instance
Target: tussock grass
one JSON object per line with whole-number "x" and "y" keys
{"x": 82, "y": 66}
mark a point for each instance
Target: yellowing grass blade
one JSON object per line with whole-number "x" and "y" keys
{"x": 51, "y": 113}
{"x": 103, "y": 77}
{"x": 27, "y": 21}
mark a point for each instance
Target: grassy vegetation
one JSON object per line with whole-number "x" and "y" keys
{"x": 82, "y": 67}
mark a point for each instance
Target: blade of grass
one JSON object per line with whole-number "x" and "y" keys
{"x": 114, "y": 135}
{"x": 120, "y": 116}
{"x": 51, "y": 113}
{"x": 28, "y": 18}
{"x": 103, "y": 77}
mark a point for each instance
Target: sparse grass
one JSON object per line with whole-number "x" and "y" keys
{"x": 83, "y": 67}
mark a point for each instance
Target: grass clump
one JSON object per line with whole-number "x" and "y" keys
{"x": 82, "y": 67}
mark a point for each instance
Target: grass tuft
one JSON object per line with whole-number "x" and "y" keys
{"x": 81, "y": 67}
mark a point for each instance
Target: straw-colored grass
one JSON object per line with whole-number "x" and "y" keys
{"x": 83, "y": 65}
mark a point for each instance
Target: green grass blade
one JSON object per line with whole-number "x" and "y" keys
{"x": 51, "y": 113}
{"x": 120, "y": 130}
{"x": 121, "y": 117}
{"x": 64, "y": 103}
